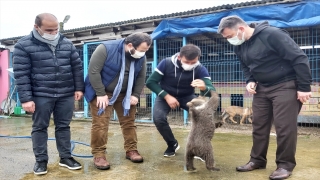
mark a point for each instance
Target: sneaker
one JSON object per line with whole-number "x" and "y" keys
{"x": 70, "y": 163}
{"x": 40, "y": 168}
{"x": 171, "y": 151}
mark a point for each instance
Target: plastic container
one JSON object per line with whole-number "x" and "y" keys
{"x": 19, "y": 111}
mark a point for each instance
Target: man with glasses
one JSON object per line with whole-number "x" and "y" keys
{"x": 116, "y": 77}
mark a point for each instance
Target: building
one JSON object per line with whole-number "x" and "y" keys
{"x": 301, "y": 18}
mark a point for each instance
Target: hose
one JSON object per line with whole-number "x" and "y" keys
{"x": 73, "y": 144}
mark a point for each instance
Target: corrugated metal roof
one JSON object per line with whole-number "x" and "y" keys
{"x": 172, "y": 15}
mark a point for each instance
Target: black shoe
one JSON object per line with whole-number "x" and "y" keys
{"x": 280, "y": 173}
{"x": 70, "y": 163}
{"x": 171, "y": 150}
{"x": 40, "y": 168}
{"x": 249, "y": 167}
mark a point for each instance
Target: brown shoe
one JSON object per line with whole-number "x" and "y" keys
{"x": 280, "y": 173}
{"x": 101, "y": 163}
{"x": 249, "y": 167}
{"x": 134, "y": 156}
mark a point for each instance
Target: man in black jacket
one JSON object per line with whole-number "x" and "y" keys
{"x": 278, "y": 75}
{"x": 49, "y": 77}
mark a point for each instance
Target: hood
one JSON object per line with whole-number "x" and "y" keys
{"x": 258, "y": 27}
{"x": 174, "y": 60}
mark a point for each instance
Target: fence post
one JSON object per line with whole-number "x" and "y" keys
{"x": 85, "y": 72}
{"x": 185, "y": 113}
{"x": 154, "y": 65}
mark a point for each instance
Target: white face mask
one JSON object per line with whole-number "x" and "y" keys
{"x": 235, "y": 40}
{"x": 137, "y": 54}
{"x": 189, "y": 67}
{"x": 49, "y": 37}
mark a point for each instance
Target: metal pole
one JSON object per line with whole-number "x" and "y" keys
{"x": 85, "y": 72}
{"x": 185, "y": 113}
{"x": 154, "y": 65}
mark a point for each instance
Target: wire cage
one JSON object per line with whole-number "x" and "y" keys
{"x": 226, "y": 74}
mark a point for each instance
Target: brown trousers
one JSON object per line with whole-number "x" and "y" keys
{"x": 100, "y": 125}
{"x": 277, "y": 104}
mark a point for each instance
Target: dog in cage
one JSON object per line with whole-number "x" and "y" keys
{"x": 231, "y": 111}
{"x": 203, "y": 125}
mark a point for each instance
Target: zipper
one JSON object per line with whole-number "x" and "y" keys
{"x": 56, "y": 67}
{"x": 179, "y": 82}
{"x": 244, "y": 51}
{"x": 55, "y": 61}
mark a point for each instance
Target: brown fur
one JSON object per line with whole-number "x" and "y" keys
{"x": 232, "y": 111}
{"x": 201, "y": 114}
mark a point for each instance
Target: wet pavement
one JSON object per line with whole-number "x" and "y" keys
{"x": 230, "y": 150}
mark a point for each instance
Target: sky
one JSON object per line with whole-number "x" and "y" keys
{"x": 17, "y": 17}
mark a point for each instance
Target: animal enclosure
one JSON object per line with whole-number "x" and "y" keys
{"x": 225, "y": 71}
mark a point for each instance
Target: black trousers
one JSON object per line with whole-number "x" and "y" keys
{"x": 277, "y": 104}
{"x": 62, "y": 109}
{"x": 160, "y": 112}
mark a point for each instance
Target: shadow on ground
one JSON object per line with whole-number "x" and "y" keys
{"x": 230, "y": 150}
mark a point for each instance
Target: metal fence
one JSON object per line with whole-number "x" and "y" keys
{"x": 145, "y": 101}
{"x": 224, "y": 68}
{"x": 227, "y": 76}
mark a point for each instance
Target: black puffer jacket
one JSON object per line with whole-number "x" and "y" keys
{"x": 39, "y": 71}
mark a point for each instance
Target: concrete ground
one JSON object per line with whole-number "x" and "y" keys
{"x": 230, "y": 150}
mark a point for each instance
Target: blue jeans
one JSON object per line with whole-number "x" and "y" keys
{"x": 160, "y": 112}
{"x": 62, "y": 109}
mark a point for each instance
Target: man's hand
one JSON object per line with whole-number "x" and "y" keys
{"x": 303, "y": 96}
{"x": 251, "y": 87}
{"x": 133, "y": 100}
{"x": 29, "y": 106}
{"x": 102, "y": 101}
{"x": 199, "y": 84}
{"x": 172, "y": 101}
{"x": 78, "y": 95}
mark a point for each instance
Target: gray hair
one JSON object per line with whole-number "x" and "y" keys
{"x": 230, "y": 22}
{"x": 137, "y": 38}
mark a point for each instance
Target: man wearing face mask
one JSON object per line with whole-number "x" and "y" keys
{"x": 116, "y": 77}
{"x": 278, "y": 75}
{"x": 49, "y": 76}
{"x": 174, "y": 81}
